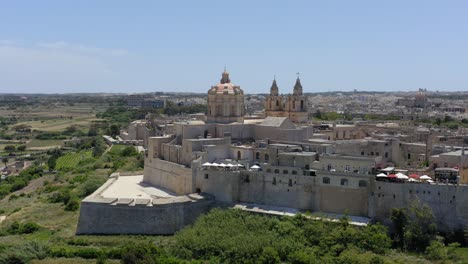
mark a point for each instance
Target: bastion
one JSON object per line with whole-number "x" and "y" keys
{"x": 126, "y": 205}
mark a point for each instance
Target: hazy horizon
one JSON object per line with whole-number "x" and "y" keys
{"x": 147, "y": 46}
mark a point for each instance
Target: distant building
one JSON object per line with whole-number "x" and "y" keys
{"x": 142, "y": 100}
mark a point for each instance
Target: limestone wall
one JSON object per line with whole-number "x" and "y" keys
{"x": 449, "y": 203}
{"x": 172, "y": 176}
{"x": 127, "y": 216}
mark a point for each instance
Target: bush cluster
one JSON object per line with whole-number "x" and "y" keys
{"x": 17, "y": 228}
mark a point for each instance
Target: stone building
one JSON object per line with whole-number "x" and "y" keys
{"x": 275, "y": 163}
{"x": 225, "y": 102}
{"x": 294, "y": 107}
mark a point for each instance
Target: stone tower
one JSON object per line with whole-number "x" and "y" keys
{"x": 225, "y": 102}
{"x": 274, "y": 102}
{"x": 296, "y": 105}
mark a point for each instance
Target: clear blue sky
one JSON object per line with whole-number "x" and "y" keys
{"x": 141, "y": 46}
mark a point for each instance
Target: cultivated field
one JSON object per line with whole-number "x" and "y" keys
{"x": 72, "y": 159}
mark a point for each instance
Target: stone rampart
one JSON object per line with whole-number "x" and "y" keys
{"x": 161, "y": 216}
{"x": 449, "y": 203}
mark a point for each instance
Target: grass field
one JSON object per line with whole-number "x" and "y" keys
{"x": 71, "y": 160}
{"x": 60, "y": 124}
{"x": 36, "y": 143}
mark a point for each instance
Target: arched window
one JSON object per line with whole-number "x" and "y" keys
{"x": 277, "y": 102}
{"x": 362, "y": 183}
{"x": 326, "y": 180}
{"x": 267, "y": 157}
{"x": 302, "y": 104}
{"x": 294, "y": 104}
{"x": 239, "y": 155}
{"x": 257, "y": 155}
{"x": 344, "y": 182}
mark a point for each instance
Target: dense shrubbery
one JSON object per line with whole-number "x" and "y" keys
{"x": 16, "y": 183}
{"x": 17, "y": 228}
{"x": 414, "y": 227}
{"x": 24, "y": 253}
{"x": 237, "y": 236}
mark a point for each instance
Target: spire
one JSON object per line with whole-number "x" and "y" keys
{"x": 298, "y": 86}
{"x": 225, "y": 76}
{"x": 274, "y": 88}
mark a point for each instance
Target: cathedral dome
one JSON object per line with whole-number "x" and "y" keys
{"x": 225, "y": 86}
{"x": 225, "y": 102}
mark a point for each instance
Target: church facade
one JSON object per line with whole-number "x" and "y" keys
{"x": 293, "y": 106}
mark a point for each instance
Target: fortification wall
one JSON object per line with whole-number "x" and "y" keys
{"x": 172, "y": 176}
{"x": 449, "y": 203}
{"x": 162, "y": 216}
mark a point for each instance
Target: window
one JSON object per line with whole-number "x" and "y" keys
{"x": 386, "y": 154}
{"x": 409, "y": 155}
{"x": 239, "y": 156}
{"x": 377, "y": 154}
{"x": 285, "y": 171}
{"x": 277, "y": 102}
{"x": 302, "y": 105}
{"x": 274, "y": 180}
{"x": 290, "y": 182}
{"x": 348, "y": 168}
{"x": 247, "y": 179}
{"x": 206, "y": 175}
{"x": 362, "y": 153}
{"x": 267, "y": 157}
{"x": 312, "y": 173}
{"x": 329, "y": 167}
{"x": 362, "y": 183}
{"x": 294, "y": 172}
{"x": 257, "y": 155}
{"x": 326, "y": 180}
{"x": 344, "y": 182}
{"x": 372, "y": 153}
{"x": 276, "y": 171}
{"x": 268, "y": 170}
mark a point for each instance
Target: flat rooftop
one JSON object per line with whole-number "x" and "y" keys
{"x": 134, "y": 187}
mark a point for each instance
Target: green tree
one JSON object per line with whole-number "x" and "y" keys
{"x": 414, "y": 226}
{"x": 318, "y": 114}
{"x": 52, "y": 162}
{"x": 114, "y": 130}
{"x": 9, "y": 148}
{"x": 21, "y": 148}
{"x": 399, "y": 221}
{"x": 5, "y": 161}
